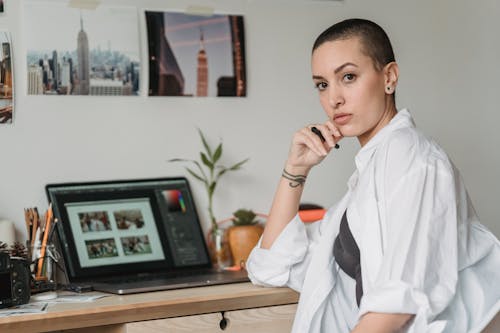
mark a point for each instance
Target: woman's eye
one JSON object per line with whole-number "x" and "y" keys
{"x": 321, "y": 85}
{"x": 349, "y": 77}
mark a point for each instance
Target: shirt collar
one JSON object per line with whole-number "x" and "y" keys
{"x": 402, "y": 119}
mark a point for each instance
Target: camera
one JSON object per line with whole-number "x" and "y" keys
{"x": 14, "y": 281}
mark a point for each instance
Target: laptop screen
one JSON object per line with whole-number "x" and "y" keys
{"x": 129, "y": 226}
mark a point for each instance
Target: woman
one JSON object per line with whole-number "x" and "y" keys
{"x": 403, "y": 250}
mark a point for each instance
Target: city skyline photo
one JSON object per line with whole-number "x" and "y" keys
{"x": 72, "y": 51}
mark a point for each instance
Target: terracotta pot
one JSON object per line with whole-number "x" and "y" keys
{"x": 242, "y": 239}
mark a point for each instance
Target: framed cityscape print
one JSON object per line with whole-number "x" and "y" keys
{"x": 194, "y": 55}
{"x": 74, "y": 51}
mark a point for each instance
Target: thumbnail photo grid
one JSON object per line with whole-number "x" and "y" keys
{"x": 121, "y": 222}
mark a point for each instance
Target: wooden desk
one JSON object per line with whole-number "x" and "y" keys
{"x": 245, "y": 307}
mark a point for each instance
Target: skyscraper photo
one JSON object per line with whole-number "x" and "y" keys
{"x": 73, "y": 51}
{"x": 193, "y": 55}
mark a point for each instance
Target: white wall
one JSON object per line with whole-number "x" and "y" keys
{"x": 448, "y": 53}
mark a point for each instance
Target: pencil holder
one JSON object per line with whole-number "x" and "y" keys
{"x": 43, "y": 267}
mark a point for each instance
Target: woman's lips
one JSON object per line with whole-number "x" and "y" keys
{"x": 342, "y": 118}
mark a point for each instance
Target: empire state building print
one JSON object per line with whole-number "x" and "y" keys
{"x": 192, "y": 55}
{"x": 202, "y": 79}
{"x": 82, "y": 52}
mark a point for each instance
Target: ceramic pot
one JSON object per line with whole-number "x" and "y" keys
{"x": 242, "y": 239}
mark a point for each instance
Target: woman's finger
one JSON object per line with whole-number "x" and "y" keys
{"x": 334, "y": 130}
{"x": 325, "y": 134}
{"x": 313, "y": 142}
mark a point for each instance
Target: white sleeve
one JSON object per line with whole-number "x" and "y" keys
{"x": 286, "y": 262}
{"x": 419, "y": 270}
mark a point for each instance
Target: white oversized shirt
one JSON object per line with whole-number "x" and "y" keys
{"x": 423, "y": 250}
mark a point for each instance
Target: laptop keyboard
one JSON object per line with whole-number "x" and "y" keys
{"x": 165, "y": 281}
{"x": 159, "y": 276}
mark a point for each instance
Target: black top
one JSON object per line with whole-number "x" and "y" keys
{"x": 346, "y": 254}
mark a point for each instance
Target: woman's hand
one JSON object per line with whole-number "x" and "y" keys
{"x": 374, "y": 322}
{"x": 307, "y": 148}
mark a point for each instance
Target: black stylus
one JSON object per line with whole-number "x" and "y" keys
{"x": 318, "y": 133}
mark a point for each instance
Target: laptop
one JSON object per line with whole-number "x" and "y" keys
{"x": 130, "y": 236}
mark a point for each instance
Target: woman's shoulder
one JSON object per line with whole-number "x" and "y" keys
{"x": 412, "y": 148}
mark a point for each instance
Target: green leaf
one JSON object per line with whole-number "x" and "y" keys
{"x": 238, "y": 165}
{"x": 221, "y": 172}
{"x": 206, "y": 161}
{"x": 201, "y": 169}
{"x": 244, "y": 217}
{"x": 195, "y": 175}
{"x": 179, "y": 160}
{"x": 203, "y": 175}
{"x": 218, "y": 153}
{"x": 205, "y": 144}
{"x": 211, "y": 188}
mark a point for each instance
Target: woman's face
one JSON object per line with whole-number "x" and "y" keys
{"x": 351, "y": 90}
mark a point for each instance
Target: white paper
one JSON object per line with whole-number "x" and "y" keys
{"x": 42, "y": 306}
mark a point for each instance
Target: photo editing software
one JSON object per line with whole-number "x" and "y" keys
{"x": 130, "y": 222}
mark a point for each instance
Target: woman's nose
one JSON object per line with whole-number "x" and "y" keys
{"x": 335, "y": 97}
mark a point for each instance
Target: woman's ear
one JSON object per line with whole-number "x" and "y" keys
{"x": 391, "y": 75}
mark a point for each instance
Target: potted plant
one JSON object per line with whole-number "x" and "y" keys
{"x": 243, "y": 235}
{"x": 209, "y": 171}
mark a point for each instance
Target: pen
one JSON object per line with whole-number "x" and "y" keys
{"x": 35, "y": 245}
{"x": 48, "y": 222}
{"x": 318, "y": 133}
{"x": 28, "y": 216}
{"x": 52, "y": 230}
{"x": 49, "y": 261}
{"x": 34, "y": 216}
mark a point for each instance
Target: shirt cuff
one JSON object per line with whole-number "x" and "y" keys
{"x": 272, "y": 267}
{"x": 400, "y": 297}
